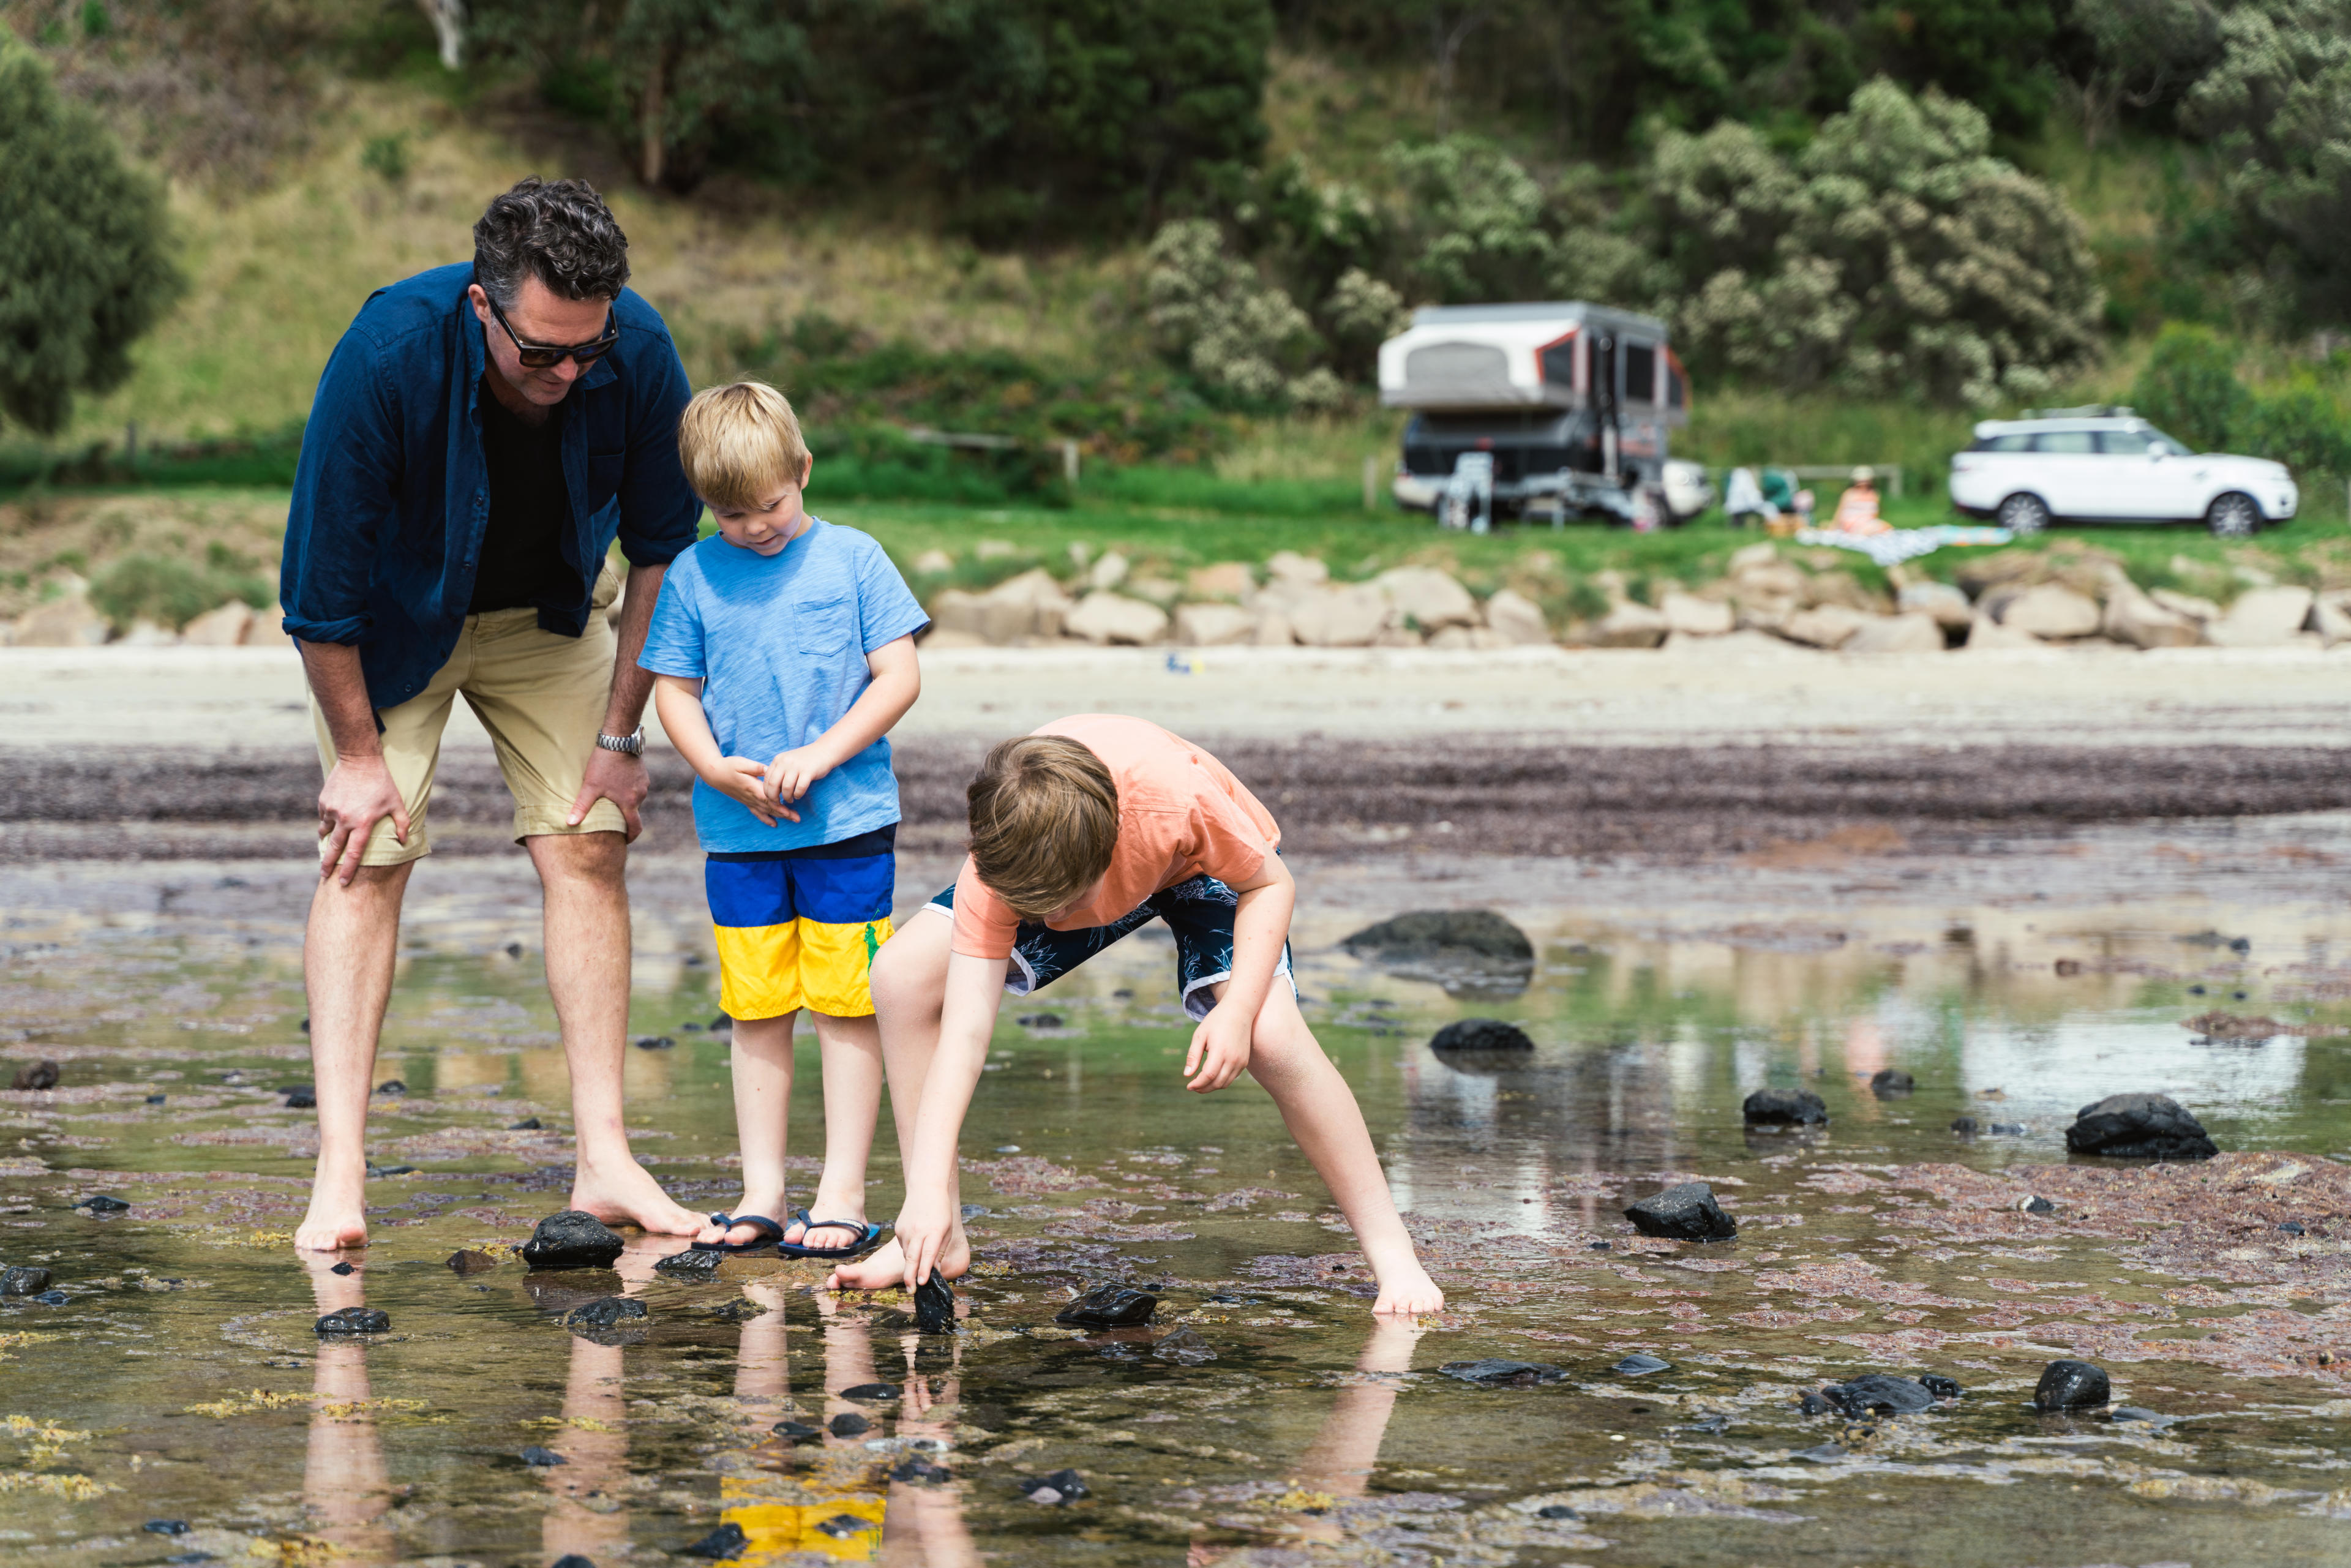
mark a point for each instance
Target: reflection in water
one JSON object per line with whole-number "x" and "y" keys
{"x": 346, "y": 1490}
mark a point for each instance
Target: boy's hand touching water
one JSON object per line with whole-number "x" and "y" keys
{"x": 1220, "y": 1050}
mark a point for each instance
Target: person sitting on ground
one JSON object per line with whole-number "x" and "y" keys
{"x": 1081, "y": 832}
{"x": 789, "y": 639}
{"x": 481, "y": 436}
{"x": 1743, "y": 499}
{"x": 1857, "y": 509}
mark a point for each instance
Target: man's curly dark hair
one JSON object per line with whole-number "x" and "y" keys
{"x": 558, "y": 231}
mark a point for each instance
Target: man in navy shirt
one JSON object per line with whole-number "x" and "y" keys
{"x": 482, "y": 435}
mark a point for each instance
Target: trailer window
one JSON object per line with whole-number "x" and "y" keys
{"x": 1640, "y": 372}
{"x": 1676, "y": 395}
{"x": 1558, "y": 362}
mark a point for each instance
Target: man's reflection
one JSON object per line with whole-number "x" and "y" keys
{"x": 588, "y": 1516}
{"x": 346, "y": 1490}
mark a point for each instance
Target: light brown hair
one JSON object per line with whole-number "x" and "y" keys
{"x": 1044, "y": 821}
{"x": 739, "y": 443}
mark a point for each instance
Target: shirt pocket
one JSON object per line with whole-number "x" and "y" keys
{"x": 823, "y": 626}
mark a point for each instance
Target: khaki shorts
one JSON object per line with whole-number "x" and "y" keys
{"x": 540, "y": 694}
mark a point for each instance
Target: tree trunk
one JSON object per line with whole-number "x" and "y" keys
{"x": 448, "y": 19}
{"x": 649, "y": 115}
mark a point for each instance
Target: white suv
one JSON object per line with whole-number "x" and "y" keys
{"x": 2108, "y": 465}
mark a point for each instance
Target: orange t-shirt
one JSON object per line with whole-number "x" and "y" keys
{"x": 1180, "y": 812}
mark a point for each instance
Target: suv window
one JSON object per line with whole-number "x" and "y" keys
{"x": 2123, "y": 443}
{"x": 2004, "y": 444}
{"x": 2070, "y": 443}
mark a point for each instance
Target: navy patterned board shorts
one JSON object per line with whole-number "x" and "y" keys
{"x": 1199, "y": 912}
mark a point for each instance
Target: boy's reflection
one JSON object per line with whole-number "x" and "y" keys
{"x": 346, "y": 1490}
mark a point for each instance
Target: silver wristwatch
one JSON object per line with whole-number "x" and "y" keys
{"x": 627, "y": 744}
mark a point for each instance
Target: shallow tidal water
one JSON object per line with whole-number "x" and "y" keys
{"x": 181, "y": 1380}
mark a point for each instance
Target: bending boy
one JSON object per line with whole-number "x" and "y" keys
{"x": 1083, "y": 831}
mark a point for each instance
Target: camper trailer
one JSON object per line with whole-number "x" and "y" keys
{"x": 1552, "y": 410}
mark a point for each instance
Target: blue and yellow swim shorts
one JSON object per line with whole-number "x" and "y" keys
{"x": 798, "y": 928}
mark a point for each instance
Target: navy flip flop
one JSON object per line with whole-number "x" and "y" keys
{"x": 867, "y": 1236}
{"x": 774, "y": 1237}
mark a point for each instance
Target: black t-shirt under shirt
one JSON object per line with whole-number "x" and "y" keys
{"x": 530, "y": 512}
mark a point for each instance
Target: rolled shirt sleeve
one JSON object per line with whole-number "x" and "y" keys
{"x": 661, "y": 516}
{"x": 346, "y": 497}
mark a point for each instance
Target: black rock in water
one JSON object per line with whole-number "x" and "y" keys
{"x": 2139, "y": 1127}
{"x": 603, "y": 1312}
{"x": 354, "y": 1319}
{"x": 527, "y": 1124}
{"x": 345, "y": 1269}
{"x": 1109, "y": 1307}
{"x": 298, "y": 1096}
{"x": 1435, "y": 933}
{"x": 1965, "y": 1126}
{"x": 465, "y": 1260}
{"x": 1039, "y": 1020}
{"x": 934, "y": 1301}
{"x": 571, "y": 1239}
{"x": 535, "y": 1455}
{"x": 1493, "y": 1371}
{"x": 726, "y": 1541}
{"x": 378, "y": 1172}
{"x": 695, "y": 1268}
{"x": 1062, "y": 1486}
{"x": 1685, "y": 1212}
{"x": 393, "y": 1087}
{"x": 1638, "y": 1364}
{"x": 655, "y": 1042}
{"x": 1480, "y": 1035}
{"x": 921, "y": 1471}
{"x": 2072, "y": 1385}
{"x": 849, "y": 1423}
{"x": 2008, "y": 1129}
{"x": 52, "y": 1298}
{"x": 1814, "y": 1405}
{"x": 2290, "y": 1227}
{"x": 573, "y": 1559}
{"x": 1186, "y": 1347}
{"x": 796, "y": 1431}
{"x": 155, "y": 1099}
{"x": 1891, "y": 1083}
{"x": 1825, "y": 1454}
{"x": 39, "y": 1075}
{"x": 166, "y": 1527}
{"x": 842, "y": 1526}
{"x": 867, "y": 1392}
{"x": 2039, "y": 1206}
{"x": 1556, "y": 1511}
{"x": 1941, "y": 1387}
{"x": 1596, "y": 1247}
{"x": 23, "y": 1279}
{"x": 1858, "y": 1397}
{"x": 1785, "y": 1108}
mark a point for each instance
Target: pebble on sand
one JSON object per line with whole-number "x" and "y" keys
{"x": 2072, "y": 1385}
{"x": 571, "y": 1239}
{"x": 354, "y": 1319}
{"x": 38, "y": 1075}
{"x": 2139, "y": 1127}
{"x": 726, "y": 1541}
{"x": 1785, "y": 1108}
{"x": 1062, "y": 1486}
{"x": 1686, "y": 1211}
{"x": 1109, "y": 1307}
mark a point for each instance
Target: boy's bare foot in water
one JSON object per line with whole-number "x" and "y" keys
{"x": 1405, "y": 1289}
{"x": 337, "y": 1216}
{"x": 886, "y": 1269}
{"x": 626, "y": 1193}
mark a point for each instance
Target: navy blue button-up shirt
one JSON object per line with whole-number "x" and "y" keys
{"x": 392, "y": 493}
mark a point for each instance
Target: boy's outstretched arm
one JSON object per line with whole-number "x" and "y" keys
{"x": 975, "y": 989}
{"x": 1220, "y": 1046}
{"x": 898, "y": 674}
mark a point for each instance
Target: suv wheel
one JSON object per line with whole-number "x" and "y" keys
{"x": 2023, "y": 515}
{"x": 2233, "y": 516}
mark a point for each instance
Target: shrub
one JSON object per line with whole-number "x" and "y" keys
{"x": 172, "y": 592}
{"x": 2191, "y": 389}
{"x": 1239, "y": 335}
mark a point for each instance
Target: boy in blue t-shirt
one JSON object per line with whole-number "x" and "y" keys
{"x": 782, "y": 651}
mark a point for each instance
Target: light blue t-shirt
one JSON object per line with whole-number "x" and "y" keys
{"x": 778, "y": 643}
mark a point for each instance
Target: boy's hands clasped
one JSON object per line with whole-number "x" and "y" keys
{"x": 763, "y": 788}
{"x": 791, "y": 773}
{"x": 743, "y": 782}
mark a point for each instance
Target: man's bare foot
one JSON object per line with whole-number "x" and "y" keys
{"x": 337, "y": 1217}
{"x": 1406, "y": 1290}
{"x": 765, "y": 1205}
{"x": 626, "y": 1193}
{"x": 882, "y": 1269}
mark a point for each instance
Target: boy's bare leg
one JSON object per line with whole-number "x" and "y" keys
{"x": 1322, "y": 1115}
{"x": 585, "y": 876}
{"x": 760, "y": 1058}
{"x": 850, "y": 1051}
{"x": 910, "y": 979}
{"x": 348, "y": 953}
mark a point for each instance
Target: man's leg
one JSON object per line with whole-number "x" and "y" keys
{"x": 585, "y": 876}
{"x": 347, "y": 962}
{"x": 1322, "y": 1115}
{"x": 910, "y": 980}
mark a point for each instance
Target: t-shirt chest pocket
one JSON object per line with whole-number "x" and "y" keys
{"x": 822, "y": 626}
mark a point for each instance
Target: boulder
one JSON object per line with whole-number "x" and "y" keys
{"x": 146, "y": 634}
{"x": 1840, "y": 588}
{"x": 66, "y": 622}
{"x": 2050, "y": 611}
{"x": 1976, "y": 574}
{"x": 1300, "y": 570}
{"x": 1988, "y": 635}
{"x": 1439, "y": 935}
{"x": 937, "y": 641}
{"x": 1348, "y": 617}
{"x": 1108, "y": 573}
{"x": 1627, "y": 625}
{"x": 1273, "y": 630}
{"x": 224, "y": 628}
{"x": 1160, "y": 591}
{"x": 268, "y": 630}
{"x": 1427, "y": 598}
{"x": 1685, "y": 1212}
{"x": 1468, "y": 637}
{"x": 1785, "y": 1108}
{"x": 2139, "y": 1127}
{"x": 1516, "y": 620}
{"x": 1688, "y": 615}
{"x": 2186, "y": 604}
{"x": 1030, "y": 605}
{"x": 1947, "y": 604}
{"x": 1824, "y": 626}
{"x": 2072, "y": 1385}
{"x": 1103, "y": 618}
{"x": 2262, "y": 618}
{"x": 571, "y": 1239}
{"x": 1770, "y": 580}
{"x": 2133, "y": 617}
{"x": 1394, "y": 634}
{"x": 1223, "y": 579}
{"x": 1748, "y": 558}
{"x": 2331, "y": 621}
{"x": 1480, "y": 1035}
{"x": 1914, "y": 632}
{"x": 1208, "y": 625}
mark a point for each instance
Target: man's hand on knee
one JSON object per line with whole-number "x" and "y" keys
{"x": 358, "y": 793}
{"x": 616, "y": 777}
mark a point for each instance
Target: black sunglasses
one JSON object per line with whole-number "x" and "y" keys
{"x": 542, "y": 356}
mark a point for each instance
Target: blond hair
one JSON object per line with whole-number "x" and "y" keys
{"x": 740, "y": 443}
{"x": 1044, "y": 821}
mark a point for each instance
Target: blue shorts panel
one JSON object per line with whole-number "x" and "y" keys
{"x": 1199, "y": 912}
{"x": 751, "y": 890}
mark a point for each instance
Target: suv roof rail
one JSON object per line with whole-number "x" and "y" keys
{"x": 2087, "y": 411}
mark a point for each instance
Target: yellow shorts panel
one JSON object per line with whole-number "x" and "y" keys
{"x": 766, "y": 971}
{"x": 775, "y": 1529}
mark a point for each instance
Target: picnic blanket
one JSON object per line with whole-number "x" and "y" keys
{"x": 1899, "y": 544}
